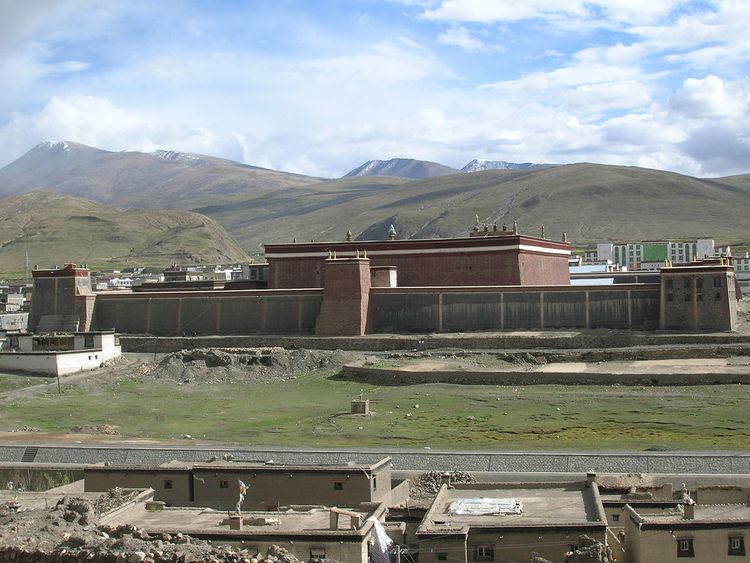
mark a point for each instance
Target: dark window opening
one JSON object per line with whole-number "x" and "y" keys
{"x": 484, "y": 553}
{"x": 223, "y": 484}
{"x": 442, "y": 556}
{"x": 686, "y": 282}
{"x": 688, "y": 296}
{"x": 374, "y": 483}
{"x": 685, "y": 548}
{"x": 717, "y": 281}
{"x": 717, "y": 296}
{"x": 615, "y": 518}
{"x": 699, "y": 283}
{"x": 88, "y": 341}
{"x": 700, "y": 297}
{"x": 338, "y": 486}
{"x": 736, "y": 546}
{"x": 167, "y": 483}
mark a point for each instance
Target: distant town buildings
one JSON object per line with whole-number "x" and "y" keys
{"x": 649, "y": 255}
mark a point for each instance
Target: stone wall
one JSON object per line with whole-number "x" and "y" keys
{"x": 451, "y": 309}
{"x": 215, "y": 312}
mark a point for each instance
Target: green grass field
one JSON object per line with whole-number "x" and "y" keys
{"x": 12, "y": 382}
{"x": 312, "y": 411}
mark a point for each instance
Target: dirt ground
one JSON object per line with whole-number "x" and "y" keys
{"x": 53, "y": 526}
{"x": 203, "y": 366}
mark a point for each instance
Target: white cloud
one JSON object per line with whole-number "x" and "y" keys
{"x": 710, "y": 98}
{"x": 98, "y": 122}
{"x": 464, "y": 39}
{"x": 491, "y": 11}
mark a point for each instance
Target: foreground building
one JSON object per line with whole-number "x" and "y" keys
{"x": 701, "y": 532}
{"x": 214, "y": 484}
{"x": 510, "y": 522}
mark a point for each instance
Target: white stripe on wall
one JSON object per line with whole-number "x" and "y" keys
{"x": 454, "y": 250}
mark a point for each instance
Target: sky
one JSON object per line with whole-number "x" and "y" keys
{"x": 320, "y": 86}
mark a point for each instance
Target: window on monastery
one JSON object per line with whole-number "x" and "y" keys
{"x": 686, "y": 282}
{"x": 615, "y": 518}
{"x": 167, "y": 483}
{"x": 484, "y": 553}
{"x": 699, "y": 283}
{"x": 717, "y": 296}
{"x": 374, "y": 483}
{"x": 318, "y": 552}
{"x": 688, "y": 296}
{"x": 685, "y": 548}
{"x": 717, "y": 281}
{"x": 442, "y": 556}
{"x": 736, "y": 546}
{"x": 338, "y": 486}
{"x": 700, "y": 297}
{"x": 88, "y": 341}
{"x": 223, "y": 484}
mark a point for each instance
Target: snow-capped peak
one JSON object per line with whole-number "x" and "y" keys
{"x": 176, "y": 155}
{"x": 48, "y": 144}
{"x": 484, "y": 164}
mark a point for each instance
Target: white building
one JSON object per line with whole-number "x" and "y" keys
{"x": 58, "y": 354}
{"x": 651, "y": 255}
{"x": 742, "y": 271}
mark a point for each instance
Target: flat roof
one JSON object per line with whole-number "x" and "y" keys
{"x": 544, "y": 505}
{"x": 738, "y": 513}
{"x": 177, "y": 465}
{"x": 507, "y": 240}
{"x": 314, "y": 521}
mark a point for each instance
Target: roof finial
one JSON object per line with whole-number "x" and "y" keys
{"x": 476, "y": 223}
{"x": 543, "y": 232}
{"x": 515, "y": 227}
{"x": 349, "y": 235}
{"x": 565, "y": 237}
{"x": 391, "y": 232}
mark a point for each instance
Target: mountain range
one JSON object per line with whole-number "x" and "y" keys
{"x": 421, "y": 169}
{"x": 137, "y": 179}
{"x": 590, "y": 202}
{"x": 402, "y": 168}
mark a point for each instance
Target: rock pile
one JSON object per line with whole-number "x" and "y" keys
{"x": 228, "y": 365}
{"x": 429, "y": 483}
{"x": 590, "y": 551}
{"x": 70, "y": 532}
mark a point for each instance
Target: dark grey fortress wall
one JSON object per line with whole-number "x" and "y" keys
{"x": 203, "y": 312}
{"x": 507, "y": 308}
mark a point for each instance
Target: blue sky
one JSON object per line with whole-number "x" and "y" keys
{"x": 320, "y": 86}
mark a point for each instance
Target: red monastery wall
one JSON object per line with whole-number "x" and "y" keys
{"x": 493, "y": 260}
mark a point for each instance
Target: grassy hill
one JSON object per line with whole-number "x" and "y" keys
{"x": 588, "y": 201}
{"x": 56, "y": 228}
{"x": 591, "y": 202}
{"x": 739, "y": 181}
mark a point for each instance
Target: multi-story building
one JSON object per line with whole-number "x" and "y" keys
{"x": 742, "y": 271}
{"x": 650, "y": 255}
